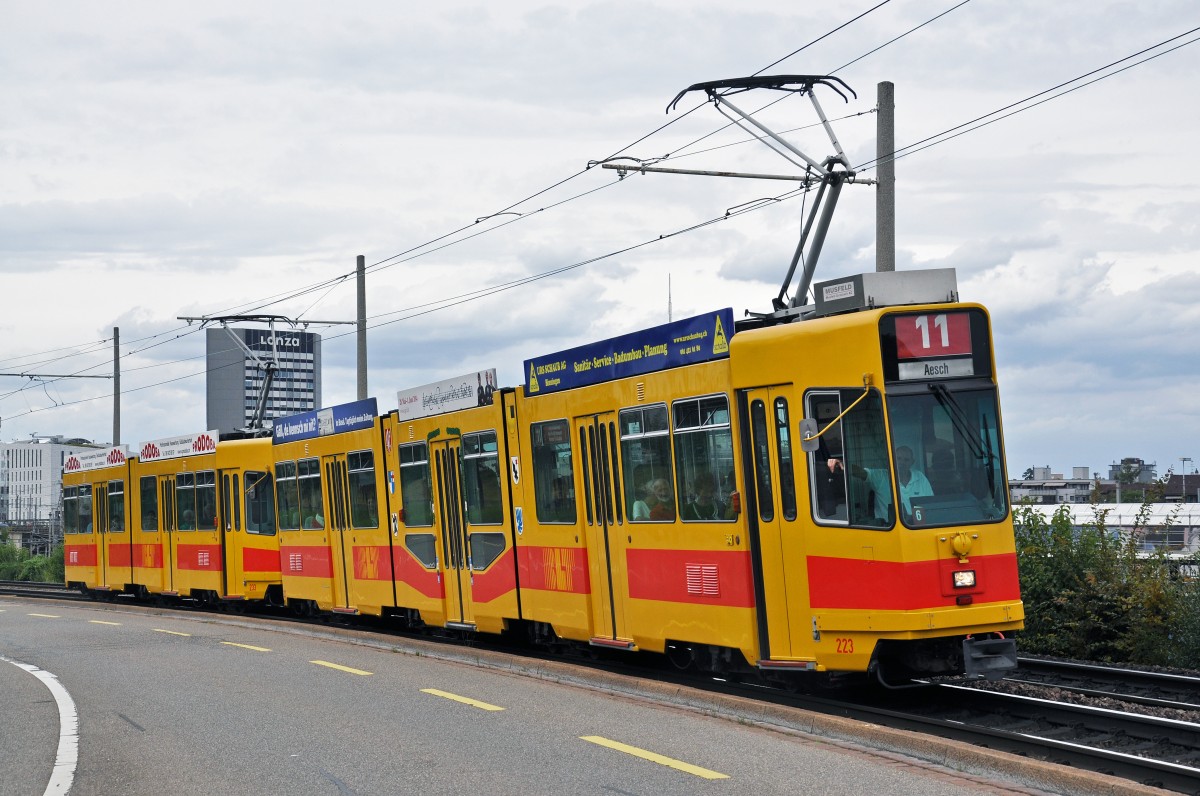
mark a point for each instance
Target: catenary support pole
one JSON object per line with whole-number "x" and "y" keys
{"x": 885, "y": 191}
{"x": 116, "y": 385}
{"x": 362, "y": 327}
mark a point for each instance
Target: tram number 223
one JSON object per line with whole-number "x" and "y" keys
{"x": 845, "y": 646}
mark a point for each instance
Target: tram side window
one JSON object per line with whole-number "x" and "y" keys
{"x": 116, "y": 506}
{"x": 148, "y": 500}
{"x": 70, "y": 509}
{"x": 704, "y": 458}
{"x": 787, "y": 476}
{"x": 553, "y": 475}
{"x": 646, "y": 460}
{"x": 206, "y": 501}
{"x": 185, "y": 500}
{"x": 481, "y": 478}
{"x": 260, "y": 503}
{"x": 850, "y": 476}
{"x": 308, "y": 472}
{"x": 287, "y": 496}
{"x": 414, "y": 486}
{"x": 364, "y": 505}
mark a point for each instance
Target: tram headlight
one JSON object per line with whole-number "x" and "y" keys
{"x": 964, "y": 579}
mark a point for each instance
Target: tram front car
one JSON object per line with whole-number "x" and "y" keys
{"x": 909, "y": 550}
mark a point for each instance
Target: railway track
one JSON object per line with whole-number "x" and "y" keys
{"x": 1137, "y": 725}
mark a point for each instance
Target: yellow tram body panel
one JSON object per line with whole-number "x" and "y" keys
{"x": 247, "y": 517}
{"x": 192, "y": 538}
{"x": 97, "y": 550}
{"x": 456, "y": 561}
{"x": 604, "y": 575}
{"x": 335, "y": 546}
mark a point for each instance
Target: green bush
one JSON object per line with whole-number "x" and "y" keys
{"x": 16, "y": 563}
{"x": 1089, "y": 595}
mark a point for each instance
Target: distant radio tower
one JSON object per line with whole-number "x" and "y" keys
{"x": 669, "y": 318}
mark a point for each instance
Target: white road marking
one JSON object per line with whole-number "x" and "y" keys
{"x": 68, "y": 730}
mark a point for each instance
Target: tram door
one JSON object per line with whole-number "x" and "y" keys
{"x": 456, "y": 558}
{"x": 606, "y": 542}
{"x": 337, "y": 525}
{"x": 116, "y": 553}
{"x": 768, "y": 423}
{"x": 166, "y": 513}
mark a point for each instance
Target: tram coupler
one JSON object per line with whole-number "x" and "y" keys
{"x": 989, "y": 658}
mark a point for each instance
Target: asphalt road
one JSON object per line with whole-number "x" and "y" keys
{"x": 187, "y": 703}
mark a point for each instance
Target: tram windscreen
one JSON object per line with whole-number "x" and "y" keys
{"x": 949, "y": 465}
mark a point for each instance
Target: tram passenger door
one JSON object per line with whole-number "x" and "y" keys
{"x": 455, "y": 559}
{"x": 118, "y": 555}
{"x": 606, "y": 541}
{"x": 337, "y": 525}
{"x": 99, "y": 527}
{"x": 768, "y": 420}
{"x": 166, "y": 513}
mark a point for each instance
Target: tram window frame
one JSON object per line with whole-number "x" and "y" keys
{"x": 852, "y": 481}
{"x": 423, "y": 547}
{"x": 86, "y": 509}
{"x": 486, "y": 547}
{"x": 287, "y": 496}
{"x": 116, "y": 507}
{"x": 764, "y": 490}
{"x": 414, "y": 471}
{"x": 553, "y": 489}
{"x": 308, "y": 484}
{"x": 783, "y": 453}
{"x": 71, "y": 510}
{"x": 645, "y": 446}
{"x": 703, "y": 442}
{"x": 259, "y": 499}
{"x": 482, "y": 488}
{"x": 185, "y": 500}
{"x": 148, "y": 503}
{"x": 206, "y": 500}
{"x": 364, "y": 497}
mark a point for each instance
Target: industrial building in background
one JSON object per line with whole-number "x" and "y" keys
{"x": 241, "y": 362}
{"x": 31, "y": 490}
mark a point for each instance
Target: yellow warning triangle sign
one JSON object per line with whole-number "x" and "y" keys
{"x": 720, "y": 344}
{"x": 533, "y": 382}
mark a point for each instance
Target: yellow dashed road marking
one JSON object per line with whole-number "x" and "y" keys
{"x": 47, "y": 616}
{"x": 172, "y": 632}
{"x": 654, "y": 758}
{"x": 246, "y": 646}
{"x": 102, "y": 622}
{"x": 341, "y": 668}
{"x": 465, "y": 700}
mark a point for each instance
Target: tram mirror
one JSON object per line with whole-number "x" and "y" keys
{"x": 809, "y": 441}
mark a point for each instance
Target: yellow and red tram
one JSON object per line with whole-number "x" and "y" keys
{"x": 823, "y": 495}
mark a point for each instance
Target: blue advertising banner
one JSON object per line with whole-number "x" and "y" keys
{"x": 699, "y": 339}
{"x": 322, "y": 422}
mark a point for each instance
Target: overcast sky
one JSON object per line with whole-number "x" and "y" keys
{"x": 161, "y": 160}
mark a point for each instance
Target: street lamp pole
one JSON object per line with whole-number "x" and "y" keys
{"x": 1183, "y": 463}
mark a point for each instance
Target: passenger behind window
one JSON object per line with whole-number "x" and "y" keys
{"x": 658, "y": 505}
{"x": 704, "y": 506}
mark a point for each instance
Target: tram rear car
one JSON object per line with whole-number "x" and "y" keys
{"x": 98, "y": 554}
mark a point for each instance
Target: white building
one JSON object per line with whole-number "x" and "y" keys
{"x": 31, "y": 489}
